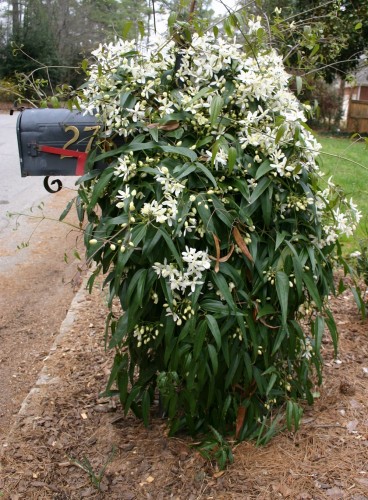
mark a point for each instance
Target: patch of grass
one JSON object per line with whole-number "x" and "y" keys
{"x": 346, "y": 161}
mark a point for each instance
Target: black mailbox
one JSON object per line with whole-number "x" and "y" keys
{"x": 54, "y": 142}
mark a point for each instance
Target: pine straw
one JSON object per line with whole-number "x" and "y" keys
{"x": 64, "y": 420}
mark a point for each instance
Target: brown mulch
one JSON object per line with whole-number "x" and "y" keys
{"x": 64, "y": 422}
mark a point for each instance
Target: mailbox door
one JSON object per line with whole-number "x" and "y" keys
{"x": 54, "y": 141}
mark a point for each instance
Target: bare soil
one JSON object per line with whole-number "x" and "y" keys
{"x": 37, "y": 287}
{"x": 65, "y": 429}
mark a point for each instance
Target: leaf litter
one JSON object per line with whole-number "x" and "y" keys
{"x": 327, "y": 458}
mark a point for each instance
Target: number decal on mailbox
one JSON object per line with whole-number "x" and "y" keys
{"x": 71, "y": 128}
{"x": 76, "y": 134}
{"x": 95, "y": 128}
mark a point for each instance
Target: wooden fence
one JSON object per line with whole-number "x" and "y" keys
{"x": 357, "y": 117}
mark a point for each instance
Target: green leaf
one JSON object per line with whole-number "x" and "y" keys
{"x": 141, "y": 28}
{"x": 313, "y": 53}
{"x": 259, "y": 189}
{"x": 200, "y": 335}
{"x": 333, "y": 330}
{"x": 280, "y": 238}
{"x": 212, "y": 323}
{"x": 139, "y": 146}
{"x": 179, "y": 150}
{"x": 222, "y": 212}
{"x": 120, "y": 331}
{"x": 312, "y": 289}
{"x": 223, "y": 287}
{"x": 127, "y": 25}
{"x": 146, "y": 403}
{"x": 279, "y": 338}
{"x": 231, "y": 159}
{"x": 185, "y": 170}
{"x": 127, "y": 100}
{"x": 263, "y": 169}
{"x": 171, "y": 246}
{"x": 357, "y": 294}
{"x": 289, "y": 415}
{"x": 215, "y": 306}
{"x": 134, "y": 281}
{"x": 172, "y": 19}
{"x": 99, "y": 188}
{"x": 282, "y": 288}
{"x": 228, "y": 27}
{"x": 271, "y": 383}
{"x": 319, "y": 326}
{"x": 358, "y": 26}
{"x": 216, "y": 106}
{"x": 281, "y": 132}
{"x": 153, "y": 133}
{"x": 207, "y": 173}
{"x": 266, "y": 310}
{"x": 138, "y": 233}
{"x": 213, "y": 356}
{"x": 120, "y": 363}
{"x": 67, "y": 209}
{"x": 231, "y": 373}
{"x": 122, "y": 260}
{"x": 200, "y": 94}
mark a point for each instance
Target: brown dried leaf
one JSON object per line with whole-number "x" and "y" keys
{"x": 218, "y": 257}
{"x": 241, "y": 244}
{"x": 170, "y": 126}
{"x": 242, "y": 411}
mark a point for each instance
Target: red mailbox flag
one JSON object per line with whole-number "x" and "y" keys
{"x": 80, "y": 155}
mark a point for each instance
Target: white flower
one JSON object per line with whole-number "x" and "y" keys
{"x": 136, "y": 113}
{"x": 220, "y": 158}
{"x": 125, "y": 169}
{"x": 355, "y": 255}
{"x": 155, "y": 211}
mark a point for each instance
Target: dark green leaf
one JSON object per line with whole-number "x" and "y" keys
{"x": 146, "y": 403}
{"x": 282, "y": 288}
{"x": 263, "y": 169}
{"x": 215, "y": 108}
{"x": 319, "y": 326}
{"x": 67, "y": 209}
{"x": 181, "y": 151}
{"x": 99, "y": 188}
{"x": 170, "y": 244}
{"x": 207, "y": 173}
{"x": 212, "y": 323}
{"x": 213, "y": 356}
{"x": 259, "y": 189}
{"x": 229, "y": 380}
{"x": 223, "y": 288}
{"x": 231, "y": 160}
{"x": 271, "y": 383}
{"x": 312, "y": 289}
{"x": 200, "y": 335}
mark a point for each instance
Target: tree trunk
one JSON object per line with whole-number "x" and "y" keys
{"x": 15, "y": 16}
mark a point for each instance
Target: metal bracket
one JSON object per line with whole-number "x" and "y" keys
{"x": 32, "y": 149}
{"x": 47, "y": 186}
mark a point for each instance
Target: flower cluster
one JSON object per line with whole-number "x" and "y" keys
{"x": 197, "y": 262}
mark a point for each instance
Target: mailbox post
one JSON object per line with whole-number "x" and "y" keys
{"x": 54, "y": 142}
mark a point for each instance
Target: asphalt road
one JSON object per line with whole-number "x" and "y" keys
{"x": 38, "y": 272}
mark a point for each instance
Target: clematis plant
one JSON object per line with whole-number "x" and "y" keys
{"x": 215, "y": 231}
